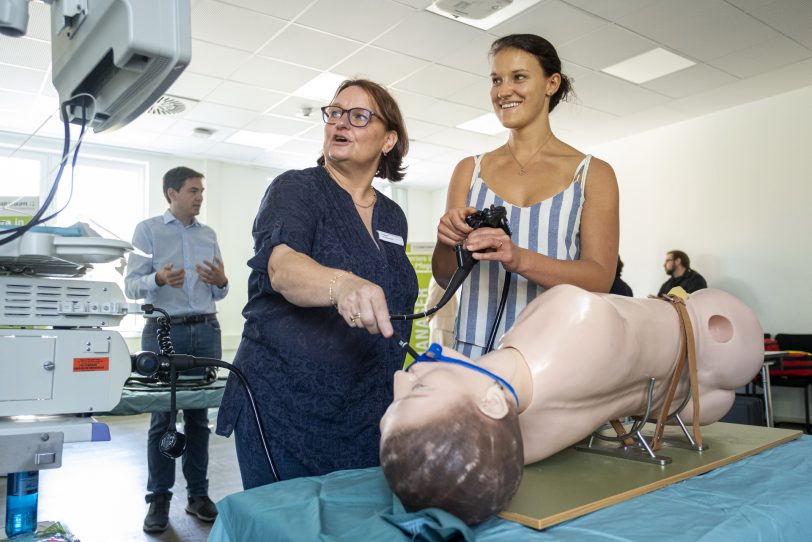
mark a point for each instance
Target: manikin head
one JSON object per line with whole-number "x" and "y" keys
{"x": 451, "y": 440}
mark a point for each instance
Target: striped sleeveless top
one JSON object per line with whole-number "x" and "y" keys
{"x": 551, "y": 227}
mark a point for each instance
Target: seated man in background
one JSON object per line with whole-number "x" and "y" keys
{"x": 678, "y": 267}
{"x": 458, "y": 433}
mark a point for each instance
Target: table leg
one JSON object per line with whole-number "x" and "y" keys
{"x": 768, "y": 396}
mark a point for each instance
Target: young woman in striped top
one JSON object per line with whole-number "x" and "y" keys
{"x": 562, "y": 205}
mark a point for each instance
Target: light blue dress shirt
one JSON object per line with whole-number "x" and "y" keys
{"x": 165, "y": 239}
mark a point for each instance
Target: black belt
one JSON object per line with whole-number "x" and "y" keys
{"x": 193, "y": 319}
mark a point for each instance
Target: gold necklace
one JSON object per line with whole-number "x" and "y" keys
{"x": 521, "y": 167}
{"x": 374, "y": 194}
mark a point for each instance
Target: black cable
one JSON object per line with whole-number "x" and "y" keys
{"x": 14, "y": 233}
{"x": 499, "y": 312}
{"x": 210, "y": 362}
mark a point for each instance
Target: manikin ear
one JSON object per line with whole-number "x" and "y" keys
{"x": 493, "y": 402}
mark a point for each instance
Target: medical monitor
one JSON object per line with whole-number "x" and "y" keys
{"x": 125, "y": 53}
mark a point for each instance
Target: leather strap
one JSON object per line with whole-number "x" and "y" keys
{"x": 687, "y": 354}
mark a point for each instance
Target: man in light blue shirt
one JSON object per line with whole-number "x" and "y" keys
{"x": 176, "y": 266}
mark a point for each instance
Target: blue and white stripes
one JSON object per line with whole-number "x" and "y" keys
{"x": 550, "y": 227}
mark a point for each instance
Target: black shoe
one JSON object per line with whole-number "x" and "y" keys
{"x": 157, "y": 519}
{"x": 202, "y": 507}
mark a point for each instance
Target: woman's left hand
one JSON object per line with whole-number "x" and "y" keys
{"x": 495, "y": 245}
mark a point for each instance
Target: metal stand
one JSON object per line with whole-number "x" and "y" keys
{"x": 636, "y": 446}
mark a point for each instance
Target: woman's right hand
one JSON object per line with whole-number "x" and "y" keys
{"x": 453, "y": 229}
{"x": 363, "y": 304}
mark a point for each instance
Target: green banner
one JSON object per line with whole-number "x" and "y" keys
{"x": 420, "y": 256}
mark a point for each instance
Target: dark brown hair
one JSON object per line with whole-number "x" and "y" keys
{"x": 391, "y": 164}
{"x": 544, "y": 52}
{"x": 463, "y": 462}
{"x": 686, "y": 261}
{"x": 175, "y": 177}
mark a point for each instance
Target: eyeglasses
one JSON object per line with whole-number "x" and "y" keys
{"x": 357, "y": 116}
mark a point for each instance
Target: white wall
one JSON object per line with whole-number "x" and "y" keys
{"x": 732, "y": 190}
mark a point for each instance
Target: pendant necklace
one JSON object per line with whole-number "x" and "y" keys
{"x": 522, "y": 171}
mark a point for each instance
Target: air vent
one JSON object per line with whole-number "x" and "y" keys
{"x": 170, "y": 105}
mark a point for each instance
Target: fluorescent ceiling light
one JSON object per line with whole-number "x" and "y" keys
{"x": 648, "y": 66}
{"x": 486, "y": 124}
{"x": 262, "y": 140}
{"x": 322, "y": 87}
{"x": 484, "y": 14}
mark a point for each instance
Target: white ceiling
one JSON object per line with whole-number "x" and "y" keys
{"x": 249, "y": 56}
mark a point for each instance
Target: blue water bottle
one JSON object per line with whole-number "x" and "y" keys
{"x": 21, "y": 502}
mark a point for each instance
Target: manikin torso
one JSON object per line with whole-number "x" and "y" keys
{"x": 578, "y": 360}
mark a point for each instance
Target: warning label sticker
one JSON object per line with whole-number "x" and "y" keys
{"x": 90, "y": 364}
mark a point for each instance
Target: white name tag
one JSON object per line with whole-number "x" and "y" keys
{"x": 390, "y": 238}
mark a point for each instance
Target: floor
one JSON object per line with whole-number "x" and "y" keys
{"x": 98, "y": 493}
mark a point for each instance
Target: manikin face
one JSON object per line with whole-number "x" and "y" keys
{"x": 428, "y": 389}
{"x": 520, "y": 88}
{"x": 344, "y": 142}
{"x": 185, "y": 203}
{"x": 668, "y": 265}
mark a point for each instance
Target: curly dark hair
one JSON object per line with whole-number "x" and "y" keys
{"x": 391, "y": 164}
{"x": 545, "y": 53}
{"x": 463, "y": 462}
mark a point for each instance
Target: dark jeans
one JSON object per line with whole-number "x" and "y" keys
{"x": 202, "y": 340}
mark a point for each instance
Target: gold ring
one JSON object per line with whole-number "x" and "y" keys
{"x": 499, "y": 245}
{"x": 355, "y": 317}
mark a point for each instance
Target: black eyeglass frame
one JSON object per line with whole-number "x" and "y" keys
{"x": 326, "y": 118}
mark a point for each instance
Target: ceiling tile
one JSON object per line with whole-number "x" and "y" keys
{"x": 792, "y": 17}
{"x": 304, "y": 147}
{"x": 220, "y": 114}
{"x": 278, "y": 125}
{"x": 412, "y": 104}
{"x": 438, "y": 81}
{"x": 606, "y": 46}
{"x": 16, "y": 101}
{"x": 39, "y": 21}
{"x": 697, "y": 78}
{"x": 382, "y": 66}
{"x": 215, "y": 60}
{"x": 232, "y": 26}
{"x": 25, "y": 52}
{"x": 613, "y": 10}
{"x": 553, "y": 20}
{"x": 186, "y": 128}
{"x": 193, "y": 85}
{"x": 312, "y": 48}
{"x": 477, "y": 95}
{"x": 447, "y": 113}
{"x": 360, "y": 20}
{"x": 423, "y": 150}
{"x": 21, "y": 79}
{"x": 614, "y": 96}
{"x": 283, "y": 10}
{"x": 467, "y": 141}
{"x": 417, "y": 129}
{"x": 245, "y": 96}
{"x": 766, "y": 56}
{"x": 471, "y": 56}
{"x": 419, "y": 4}
{"x": 571, "y": 116}
{"x": 439, "y": 36}
{"x": 272, "y": 74}
{"x": 303, "y": 109}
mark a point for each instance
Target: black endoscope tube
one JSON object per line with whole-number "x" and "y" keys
{"x": 210, "y": 362}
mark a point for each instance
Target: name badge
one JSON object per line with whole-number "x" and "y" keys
{"x": 390, "y": 238}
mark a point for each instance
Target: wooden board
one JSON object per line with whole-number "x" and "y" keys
{"x": 573, "y": 483}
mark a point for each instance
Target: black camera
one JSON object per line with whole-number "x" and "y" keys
{"x": 494, "y": 216}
